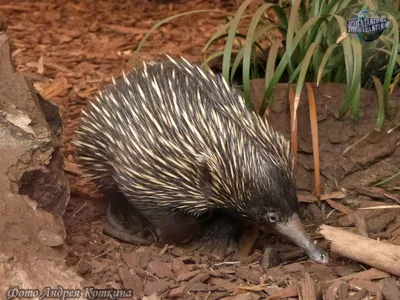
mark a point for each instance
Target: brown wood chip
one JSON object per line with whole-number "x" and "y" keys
{"x": 284, "y": 293}
{"x": 160, "y": 269}
{"x": 380, "y": 223}
{"x": 358, "y": 295}
{"x": 201, "y": 277}
{"x": 188, "y": 275}
{"x": 370, "y": 274}
{"x": 361, "y": 224}
{"x": 129, "y": 259}
{"x": 131, "y": 280}
{"x": 246, "y": 296}
{"x": 178, "y": 267}
{"x": 372, "y": 287}
{"x": 175, "y": 292}
{"x": 223, "y": 283}
{"x": 246, "y": 243}
{"x": 158, "y": 286}
{"x": 143, "y": 256}
{"x": 337, "y": 290}
{"x": 249, "y": 275}
{"x": 340, "y": 207}
{"x": 200, "y": 287}
{"x": 307, "y": 288}
{"x": 389, "y": 289}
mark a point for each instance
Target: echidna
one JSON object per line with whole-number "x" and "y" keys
{"x": 186, "y": 154}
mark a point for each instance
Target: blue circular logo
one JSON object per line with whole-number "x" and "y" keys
{"x": 367, "y": 25}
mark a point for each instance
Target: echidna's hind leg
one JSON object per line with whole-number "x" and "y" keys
{"x": 124, "y": 222}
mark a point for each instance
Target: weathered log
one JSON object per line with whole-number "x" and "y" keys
{"x": 374, "y": 253}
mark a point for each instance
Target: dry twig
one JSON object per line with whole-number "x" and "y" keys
{"x": 371, "y": 252}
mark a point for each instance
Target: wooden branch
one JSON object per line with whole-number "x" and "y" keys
{"x": 377, "y": 254}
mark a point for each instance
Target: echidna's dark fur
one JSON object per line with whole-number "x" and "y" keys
{"x": 175, "y": 139}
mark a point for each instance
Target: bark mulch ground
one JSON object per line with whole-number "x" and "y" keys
{"x": 70, "y": 49}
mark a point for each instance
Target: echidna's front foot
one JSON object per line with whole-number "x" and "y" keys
{"x": 218, "y": 247}
{"x": 125, "y": 236}
{"x": 219, "y": 238}
{"x": 125, "y": 223}
{"x": 116, "y": 229}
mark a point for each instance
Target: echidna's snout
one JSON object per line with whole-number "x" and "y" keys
{"x": 294, "y": 230}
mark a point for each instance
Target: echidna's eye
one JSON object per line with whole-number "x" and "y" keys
{"x": 272, "y": 218}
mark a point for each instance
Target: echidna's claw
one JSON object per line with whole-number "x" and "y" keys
{"x": 115, "y": 228}
{"x": 218, "y": 250}
{"x": 218, "y": 239}
{"x": 125, "y": 236}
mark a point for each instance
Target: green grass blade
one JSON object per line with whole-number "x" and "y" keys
{"x": 217, "y": 36}
{"x": 343, "y": 5}
{"x": 349, "y": 58}
{"x": 236, "y": 63}
{"x": 316, "y": 35}
{"x": 282, "y": 19}
{"x": 271, "y": 61}
{"x": 283, "y": 63}
{"x": 169, "y": 19}
{"x": 294, "y": 12}
{"x": 315, "y": 7}
{"x": 240, "y": 54}
{"x": 303, "y": 12}
{"x": 330, "y": 8}
{"x": 391, "y": 64}
{"x": 239, "y": 35}
{"x": 371, "y": 5}
{"x": 316, "y": 29}
{"x": 211, "y": 57}
{"x": 382, "y": 182}
{"x": 248, "y": 47}
{"x": 395, "y": 83}
{"x": 356, "y": 82}
{"x": 324, "y": 60}
{"x": 381, "y": 103}
{"x": 230, "y": 39}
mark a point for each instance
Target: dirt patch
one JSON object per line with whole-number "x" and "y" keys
{"x": 352, "y": 154}
{"x": 31, "y": 225}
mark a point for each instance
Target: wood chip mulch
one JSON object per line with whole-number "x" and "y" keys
{"x": 70, "y": 50}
